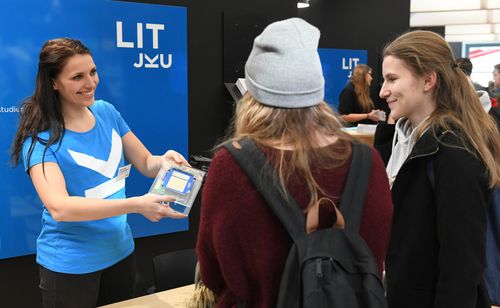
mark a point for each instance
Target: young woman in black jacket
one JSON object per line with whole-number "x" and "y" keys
{"x": 442, "y": 160}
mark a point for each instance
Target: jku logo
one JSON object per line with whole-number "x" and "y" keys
{"x": 145, "y": 60}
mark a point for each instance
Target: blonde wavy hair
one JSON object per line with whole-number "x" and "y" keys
{"x": 297, "y": 128}
{"x": 361, "y": 87}
{"x": 458, "y": 109}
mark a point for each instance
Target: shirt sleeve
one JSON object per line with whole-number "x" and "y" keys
{"x": 122, "y": 125}
{"x": 347, "y": 100}
{"x": 112, "y": 114}
{"x": 36, "y": 153}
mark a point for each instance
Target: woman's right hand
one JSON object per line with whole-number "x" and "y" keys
{"x": 375, "y": 115}
{"x": 155, "y": 207}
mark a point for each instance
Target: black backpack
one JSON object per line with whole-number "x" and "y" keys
{"x": 329, "y": 267}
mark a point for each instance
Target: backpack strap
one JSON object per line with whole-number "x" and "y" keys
{"x": 353, "y": 197}
{"x": 259, "y": 170}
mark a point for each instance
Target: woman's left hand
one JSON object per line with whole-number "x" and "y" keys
{"x": 175, "y": 157}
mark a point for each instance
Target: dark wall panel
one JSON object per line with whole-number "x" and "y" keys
{"x": 438, "y": 29}
{"x": 360, "y": 24}
{"x": 240, "y": 29}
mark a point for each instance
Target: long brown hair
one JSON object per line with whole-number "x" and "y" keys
{"x": 361, "y": 87}
{"x": 458, "y": 108}
{"x": 42, "y": 111}
{"x": 299, "y": 128}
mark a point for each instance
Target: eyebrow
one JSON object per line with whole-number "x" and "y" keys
{"x": 389, "y": 75}
{"x": 78, "y": 73}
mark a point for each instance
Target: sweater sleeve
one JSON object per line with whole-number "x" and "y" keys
{"x": 461, "y": 204}
{"x": 215, "y": 220}
{"x": 375, "y": 225}
{"x": 211, "y": 274}
{"x": 224, "y": 228}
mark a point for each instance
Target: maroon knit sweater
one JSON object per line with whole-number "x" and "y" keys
{"x": 242, "y": 246}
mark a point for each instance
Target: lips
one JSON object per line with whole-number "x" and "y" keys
{"x": 86, "y": 93}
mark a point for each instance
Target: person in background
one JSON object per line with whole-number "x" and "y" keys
{"x": 495, "y": 85}
{"x": 242, "y": 246}
{"x": 466, "y": 66}
{"x": 74, "y": 150}
{"x": 443, "y": 164}
{"x": 355, "y": 103}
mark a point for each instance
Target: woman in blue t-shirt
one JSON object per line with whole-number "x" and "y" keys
{"x": 74, "y": 149}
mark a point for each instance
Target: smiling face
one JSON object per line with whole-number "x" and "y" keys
{"x": 77, "y": 82}
{"x": 406, "y": 94}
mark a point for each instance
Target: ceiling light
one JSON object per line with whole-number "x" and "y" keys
{"x": 302, "y": 4}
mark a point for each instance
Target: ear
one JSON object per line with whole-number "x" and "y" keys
{"x": 54, "y": 86}
{"x": 430, "y": 81}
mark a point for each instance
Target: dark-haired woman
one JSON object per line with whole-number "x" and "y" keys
{"x": 73, "y": 148}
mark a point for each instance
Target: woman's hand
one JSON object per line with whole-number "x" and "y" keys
{"x": 375, "y": 115}
{"x": 155, "y": 207}
{"x": 156, "y": 162}
{"x": 176, "y": 157}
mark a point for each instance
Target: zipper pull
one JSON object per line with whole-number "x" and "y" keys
{"x": 319, "y": 271}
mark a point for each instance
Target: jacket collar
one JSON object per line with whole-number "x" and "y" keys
{"x": 427, "y": 144}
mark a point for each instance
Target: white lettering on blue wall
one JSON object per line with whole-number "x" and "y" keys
{"x": 156, "y": 60}
{"x": 349, "y": 64}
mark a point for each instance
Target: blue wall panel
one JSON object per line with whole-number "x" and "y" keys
{"x": 337, "y": 67}
{"x": 152, "y": 96}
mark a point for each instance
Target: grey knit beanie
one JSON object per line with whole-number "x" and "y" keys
{"x": 283, "y": 69}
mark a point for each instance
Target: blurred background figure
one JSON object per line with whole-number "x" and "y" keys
{"x": 355, "y": 104}
{"x": 494, "y": 87}
{"x": 466, "y": 66}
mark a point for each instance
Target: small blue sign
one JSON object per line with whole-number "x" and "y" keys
{"x": 140, "y": 51}
{"x": 337, "y": 68}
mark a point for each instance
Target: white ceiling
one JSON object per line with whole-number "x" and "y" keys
{"x": 464, "y": 20}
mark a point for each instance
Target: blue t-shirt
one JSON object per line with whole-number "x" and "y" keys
{"x": 89, "y": 162}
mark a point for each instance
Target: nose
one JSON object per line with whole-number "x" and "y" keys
{"x": 384, "y": 92}
{"x": 92, "y": 81}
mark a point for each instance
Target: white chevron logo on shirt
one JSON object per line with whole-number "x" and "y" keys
{"x": 104, "y": 167}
